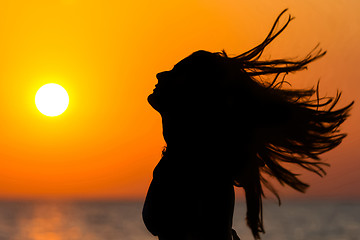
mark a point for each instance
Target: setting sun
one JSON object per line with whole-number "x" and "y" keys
{"x": 51, "y": 99}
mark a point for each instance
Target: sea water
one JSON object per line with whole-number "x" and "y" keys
{"x": 315, "y": 220}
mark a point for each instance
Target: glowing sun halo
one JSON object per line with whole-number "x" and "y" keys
{"x": 51, "y": 99}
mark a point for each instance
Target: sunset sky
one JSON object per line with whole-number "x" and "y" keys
{"x": 106, "y": 55}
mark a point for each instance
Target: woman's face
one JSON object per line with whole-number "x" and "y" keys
{"x": 168, "y": 91}
{"x": 185, "y": 86}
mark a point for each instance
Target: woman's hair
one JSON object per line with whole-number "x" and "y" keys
{"x": 288, "y": 125}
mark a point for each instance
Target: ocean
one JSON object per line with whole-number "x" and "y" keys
{"x": 294, "y": 220}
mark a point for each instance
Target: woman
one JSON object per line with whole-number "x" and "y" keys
{"x": 224, "y": 127}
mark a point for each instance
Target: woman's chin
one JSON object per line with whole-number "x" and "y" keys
{"x": 153, "y": 100}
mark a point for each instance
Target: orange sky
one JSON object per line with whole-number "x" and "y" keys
{"x": 106, "y": 55}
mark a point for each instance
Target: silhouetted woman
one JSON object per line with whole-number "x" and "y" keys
{"x": 225, "y": 126}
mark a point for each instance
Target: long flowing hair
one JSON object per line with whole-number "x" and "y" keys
{"x": 303, "y": 125}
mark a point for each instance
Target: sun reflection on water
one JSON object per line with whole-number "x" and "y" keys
{"x": 71, "y": 221}
{"x": 48, "y": 222}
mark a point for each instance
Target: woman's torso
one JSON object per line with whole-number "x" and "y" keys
{"x": 189, "y": 199}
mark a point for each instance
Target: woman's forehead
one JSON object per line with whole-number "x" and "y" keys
{"x": 195, "y": 60}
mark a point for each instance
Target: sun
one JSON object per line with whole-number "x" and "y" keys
{"x": 51, "y": 99}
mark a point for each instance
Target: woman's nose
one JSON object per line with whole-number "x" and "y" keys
{"x": 161, "y": 75}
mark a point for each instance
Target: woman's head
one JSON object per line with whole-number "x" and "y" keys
{"x": 191, "y": 97}
{"x": 204, "y": 91}
{"x": 193, "y": 81}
